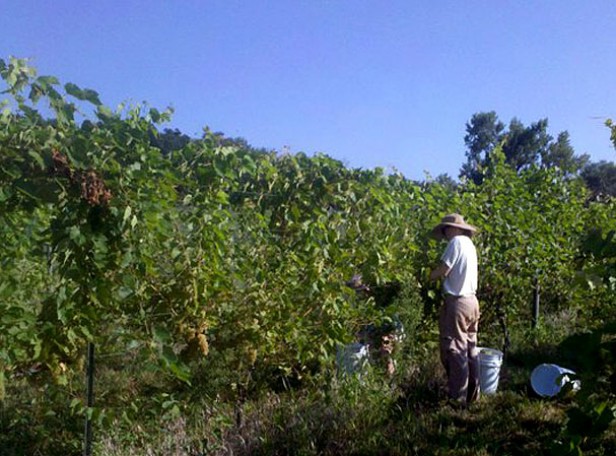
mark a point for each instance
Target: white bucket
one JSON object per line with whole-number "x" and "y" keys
{"x": 490, "y": 361}
{"x": 548, "y": 379}
{"x": 352, "y": 358}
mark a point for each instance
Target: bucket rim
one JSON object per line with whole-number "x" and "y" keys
{"x": 545, "y": 389}
{"x": 490, "y": 351}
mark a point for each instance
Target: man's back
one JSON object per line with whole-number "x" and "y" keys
{"x": 461, "y": 257}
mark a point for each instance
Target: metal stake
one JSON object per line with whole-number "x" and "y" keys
{"x": 87, "y": 451}
{"x": 536, "y": 298}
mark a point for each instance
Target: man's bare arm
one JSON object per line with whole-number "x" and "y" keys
{"x": 440, "y": 271}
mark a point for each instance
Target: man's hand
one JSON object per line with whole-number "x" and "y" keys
{"x": 440, "y": 271}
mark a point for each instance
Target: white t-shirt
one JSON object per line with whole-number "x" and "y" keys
{"x": 461, "y": 257}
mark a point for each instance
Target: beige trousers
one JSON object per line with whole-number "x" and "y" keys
{"x": 458, "y": 325}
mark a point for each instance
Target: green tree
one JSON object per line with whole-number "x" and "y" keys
{"x": 561, "y": 154}
{"x": 446, "y": 181}
{"x": 612, "y": 126}
{"x": 523, "y": 146}
{"x": 483, "y": 133}
{"x": 170, "y": 140}
{"x": 600, "y": 178}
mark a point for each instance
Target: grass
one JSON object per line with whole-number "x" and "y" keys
{"x": 372, "y": 414}
{"x": 370, "y": 417}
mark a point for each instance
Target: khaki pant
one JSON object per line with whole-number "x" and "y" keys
{"x": 458, "y": 325}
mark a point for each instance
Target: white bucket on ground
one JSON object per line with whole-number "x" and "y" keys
{"x": 352, "y": 358}
{"x": 548, "y": 379}
{"x": 490, "y": 361}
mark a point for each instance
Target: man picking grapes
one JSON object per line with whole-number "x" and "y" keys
{"x": 459, "y": 315}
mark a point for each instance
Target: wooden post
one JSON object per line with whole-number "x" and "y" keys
{"x": 536, "y": 298}
{"x": 87, "y": 449}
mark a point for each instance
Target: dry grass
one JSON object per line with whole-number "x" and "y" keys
{"x": 410, "y": 416}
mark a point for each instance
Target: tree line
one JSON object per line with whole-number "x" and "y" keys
{"x": 524, "y": 146}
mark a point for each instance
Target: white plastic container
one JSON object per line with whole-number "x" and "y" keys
{"x": 490, "y": 361}
{"x": 351, "y": 358}
{"x": 548, "y": 379}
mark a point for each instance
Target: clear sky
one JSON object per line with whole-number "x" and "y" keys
{"x": 369, "y": 82}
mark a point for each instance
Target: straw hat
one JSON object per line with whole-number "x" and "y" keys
{"x": 455, "y": 220}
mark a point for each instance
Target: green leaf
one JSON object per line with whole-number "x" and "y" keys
{"x": 155, "y": 115}
{"x": 38, "y": 158}
{"x": 127, "y": 213}
{"x": 178, "y": 369}
{"x": 84, "y": 95}
{"x": 222, "y": 197}
{"x": 73, "y": 90}
{"x": 92, "y": 97}
{"x": 162, "y": 335}
{"x": 48, "y": 80}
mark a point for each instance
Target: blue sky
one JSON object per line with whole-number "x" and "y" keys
{"x": 372, "y": 83}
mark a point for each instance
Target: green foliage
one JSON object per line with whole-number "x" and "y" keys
{"x": 218, "y": 272}
{"x": 522, "y": 146}
{"x": 610, "y": 124}
{"x": 531, "y": 227}
{"x": 600, "y": 178}
{"x": 593, "y": 411}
